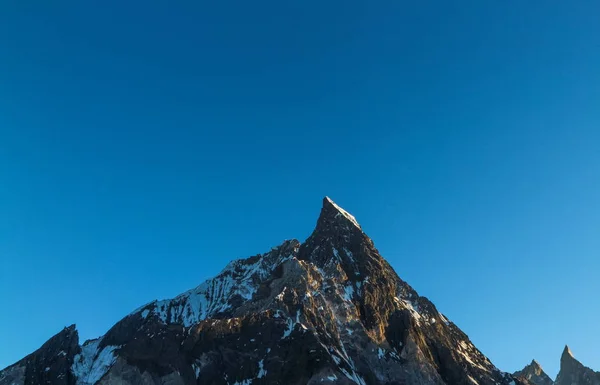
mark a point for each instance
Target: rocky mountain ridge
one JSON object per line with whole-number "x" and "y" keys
{"x": 328, "y": 310}
{"x": 535, "y": 374}
{"x": 572, "y": 372}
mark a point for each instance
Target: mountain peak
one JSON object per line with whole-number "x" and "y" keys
{"x": 534, "y": 374}
{"x": 50, "y": 364}
{"x": 568, "y": 363}
{"x": 567, "y": 353}
{"x": 535, "y": 364}
{"x": 328, "y": 309}
{"x": 574, "y": 372}
{"x": 332, "y": 211}
{"x": 336, "y": 239}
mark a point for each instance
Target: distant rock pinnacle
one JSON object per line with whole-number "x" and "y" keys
{"x": 573, "y": 372}
{"x": 534, "y": 374}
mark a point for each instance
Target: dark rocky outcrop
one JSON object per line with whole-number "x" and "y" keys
{"x": 329, "y": 310}
{"x": 50, "y": 364}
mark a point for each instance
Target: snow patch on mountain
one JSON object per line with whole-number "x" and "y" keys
{"x": 92, "y": 363}
{"x": 240, "y": 278}
{"x": 344, "y": 213}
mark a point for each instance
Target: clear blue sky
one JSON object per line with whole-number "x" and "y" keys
{"x": 143, "y": 145}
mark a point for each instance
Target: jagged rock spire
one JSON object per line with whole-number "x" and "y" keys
{"x": 338, "y": 240}
{"x": 568, "y": 363}
{"x": 573, "y": 372}
{"x": 567, "y": 353}
{"x": 335, "y": 218}
{"x": 534, "y": 374}
{"x": 327, "y": 203}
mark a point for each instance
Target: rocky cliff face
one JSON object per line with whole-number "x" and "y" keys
{"x": 572, "y": 372}
{"x": 535, "y": 374}
{"x": 329, "y": 310}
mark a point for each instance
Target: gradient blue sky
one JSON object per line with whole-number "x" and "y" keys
{"x": 145, "y": 144}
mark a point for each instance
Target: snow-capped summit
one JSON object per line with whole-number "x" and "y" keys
{"x": 328, "y": 310}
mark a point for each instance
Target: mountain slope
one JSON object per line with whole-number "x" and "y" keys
{"x": 329, "y": 310}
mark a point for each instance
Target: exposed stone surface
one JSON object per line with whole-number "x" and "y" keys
{"x": 572, "y": 372}
{"x": 535, "y": 374}
{"x": 50, "y": 364}
{"x": 330, "y": 310}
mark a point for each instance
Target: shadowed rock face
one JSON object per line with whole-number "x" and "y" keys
{"x": 535, "y": 374}
{"x": 50, "y": 364}
{"x": 329, "y": 310}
